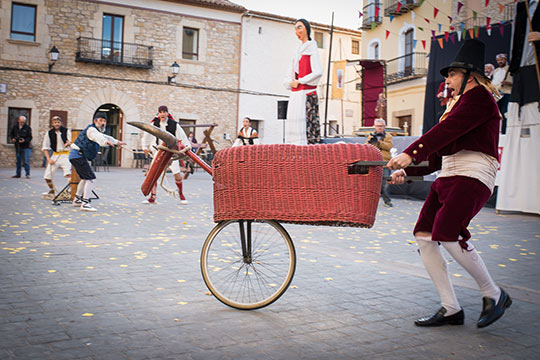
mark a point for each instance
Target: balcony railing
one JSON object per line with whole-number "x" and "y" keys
{"x": 406, "y": 67}
{"x": 391, "y": 6}
{"x": 114, "y": 53}
{"x": 370, "y": 15}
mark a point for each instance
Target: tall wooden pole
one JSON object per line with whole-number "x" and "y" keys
{"x": 328, "y": 76}
{"x": 533, "y": 45}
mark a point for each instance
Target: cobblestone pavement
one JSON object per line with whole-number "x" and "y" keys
{"x": 125, "y": 283}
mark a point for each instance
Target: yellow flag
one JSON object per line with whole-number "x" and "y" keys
{"x": 338, "y": 79}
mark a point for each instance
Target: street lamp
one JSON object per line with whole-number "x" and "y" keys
{"x": 53, "y": 56}
{"x": 175, "y": 69}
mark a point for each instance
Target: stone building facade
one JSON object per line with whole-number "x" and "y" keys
{"x": 128, "y": 78}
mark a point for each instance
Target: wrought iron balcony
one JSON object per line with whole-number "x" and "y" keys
{"x": 406, "y": 67}
{"x": 370, "y": 16}
{"x": 103, "y": 51}
{"x": 391, "y": 6}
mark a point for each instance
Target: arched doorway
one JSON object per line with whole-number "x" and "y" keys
{"x": 115, "y": 118}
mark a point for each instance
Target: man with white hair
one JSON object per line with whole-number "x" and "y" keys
{"x": 21, "y": 137}
{"x": 382, "y": 141}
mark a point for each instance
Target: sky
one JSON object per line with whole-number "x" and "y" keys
{"x": 345, "y": 11}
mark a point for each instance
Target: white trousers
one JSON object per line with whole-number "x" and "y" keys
{"x": 61, "y": 162}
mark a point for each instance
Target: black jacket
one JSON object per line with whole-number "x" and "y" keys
{"x": 25, "y": 133}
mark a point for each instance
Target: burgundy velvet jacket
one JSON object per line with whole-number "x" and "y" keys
{"x": 472, "y": 124}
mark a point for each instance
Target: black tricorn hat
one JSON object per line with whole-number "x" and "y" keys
{"x": 470, "y": 57}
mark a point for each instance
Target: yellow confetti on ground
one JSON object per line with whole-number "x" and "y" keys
{"x": 90, "y": 267}
{"x": 87, "y": 314}
{"x": 123, "y": 265}
{"x": 113, "y": 259}
{"x": 328, "y": 279}
{"x": 382, "y": 272}
{"x": 181, "y": 281}
{"x": 182, "y": 303}
{"x": 457, "y": 275}
{"x": 294, "y": 287}
{"x": 502, "y": 265}
{"x": 51, "y": 271}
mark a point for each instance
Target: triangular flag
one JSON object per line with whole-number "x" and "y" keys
{"x": 471, "y": 33}
{"x": 373, "y": 25}
{"x": 440, "y": 27}
{"x": 453, "y": 38}
{"x": 435, "y": 12}
{"x": 450, "y": 19}
{"x": 487, "y": 3}
{"x": 476, "y": 31}
{"x": 452, "y": 28}
{"x": 488, "y": 21}
{"x": 412, "y": 16}
{"x": 427, "y": 20}
{"x": 377, "y": 10}
{"x": 441, "y": 43}
{"x": 414, "y": 44}
{"x": 387, "y": 33}
{"x": 360, "y": 14}
{"x": 446, "y": 36}
{"x": 391, "y": 18}
{"x": 459, "y": 6}
{"x": 462, "y": 25}
{"x": 501, "y": 30}
{"x": 424, "y": 44}
{"x": 474, "y": 15}
{"x": 488, "y": 30}
{"x": 398, "y": 6}
{"x": 420, "y": 28}
{"x": 432, "y": 33}
{"x": 458, "y": 35}
{"x": 501, "y": 8}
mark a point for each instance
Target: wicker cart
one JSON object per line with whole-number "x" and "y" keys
{"x": 248, "y": 259}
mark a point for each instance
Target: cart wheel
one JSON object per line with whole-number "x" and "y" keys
{"x": 248, "y": 264}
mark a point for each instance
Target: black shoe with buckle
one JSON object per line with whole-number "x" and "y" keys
{"x": 438, "y": 319}
{"x": 491, "y": 312}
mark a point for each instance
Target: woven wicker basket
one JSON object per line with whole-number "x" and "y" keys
{"x": 297, "y": 184}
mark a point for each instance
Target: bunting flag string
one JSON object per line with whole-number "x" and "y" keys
{"x": 447, "y": 35}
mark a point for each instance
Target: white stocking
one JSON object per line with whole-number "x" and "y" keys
{"x": 471, "y": 261}
{"x": 435, "y": 264}
{"x": 80, "y": 188}
{"x": 88, "y": 187}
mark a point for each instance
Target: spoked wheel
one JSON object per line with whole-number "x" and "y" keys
{"x": 248, "y": 264}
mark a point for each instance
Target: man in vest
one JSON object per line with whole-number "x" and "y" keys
{"x": 165, "y": 122}
{"x": 57, "y": 140}
{"x": 464, "y": 146}
{"x": 84, "y": 149}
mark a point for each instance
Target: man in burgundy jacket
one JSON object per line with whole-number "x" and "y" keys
{"x": 463, "y": 145}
